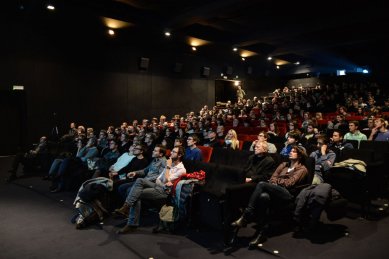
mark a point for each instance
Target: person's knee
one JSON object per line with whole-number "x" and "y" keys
{"x": 140, "y": 181}
{"x": 264, "y": 197}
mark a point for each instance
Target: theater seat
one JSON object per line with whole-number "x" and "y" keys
{"x": 207, "y": 153}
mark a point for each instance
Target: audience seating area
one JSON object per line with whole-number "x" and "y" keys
{"x": 218, "y": 200}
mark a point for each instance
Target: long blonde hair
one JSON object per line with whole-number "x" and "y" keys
{"x": 234, "y": 139}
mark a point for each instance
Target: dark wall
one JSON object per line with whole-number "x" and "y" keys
{"x": 72, "y": 71}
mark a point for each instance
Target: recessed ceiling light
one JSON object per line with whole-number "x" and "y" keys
{"x": 194, "y": 48}
{"x": 297, "y": 63}
{"x": 167, "y": 34}
{"x": 235, "y": 49}
{"x": 269, "y": 58}
{"x": 111, "y": 32}
{"x": 278, "y": 67}
{"x": 50, "y": 7}
{"x": 243, "y": 59}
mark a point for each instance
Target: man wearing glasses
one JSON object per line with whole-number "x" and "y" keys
{"x": 150, "y": 173}
{"x": 263, "y": 137}
{"x": 144, "y": 189}
{"x": 137, "y": 163}
{"x": 192, "y": 152}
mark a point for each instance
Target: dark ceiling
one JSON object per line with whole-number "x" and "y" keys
{"x": 316, "y": 33}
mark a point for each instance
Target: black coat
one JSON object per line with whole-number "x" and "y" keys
{"x": 260, "y": 168}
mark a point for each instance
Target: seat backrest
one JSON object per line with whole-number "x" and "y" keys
{"x": 247, "y": 145}
{"x": 381, "y": 148}
{"x": 206, "y": 152}
{"x": 355, "y": 143}
{"x": 219, "y": 155}
{"x": 366, "y": 155}
{"x": 221, "y": 178}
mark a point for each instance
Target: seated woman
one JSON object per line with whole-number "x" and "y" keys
{"x": 275, "y": 193}
{"x": 231, "y": 140}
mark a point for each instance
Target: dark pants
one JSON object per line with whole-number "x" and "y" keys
{"x": 264, "y": 196}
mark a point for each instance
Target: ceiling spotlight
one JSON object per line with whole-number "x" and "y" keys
{"x": 269, "y": 58}
{"x": 50, "y": 7}
{"x": 243, "y": 59}
{"x": 167, "y": 34}
{"x": 297, "y": 63}
{"x": 194, "y": 48}
{"x": 278, "y": 67}
{"x": 111, "y": 32}
{"x": 235, "y": 49}
{"x": 236, "y": 83}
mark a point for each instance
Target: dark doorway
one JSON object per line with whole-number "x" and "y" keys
{"x": 13, "y": 121}
{"x": 225, "y": 90}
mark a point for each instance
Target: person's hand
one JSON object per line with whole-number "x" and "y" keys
{"x": 168, "y": 184}
{"x": 169, "y": 162}
{"x": 131, "y": 174}
{"x": 112, "y": 174}
{"x": 249, "y": 180}
{"x": 323, "y": 149}
{"x": 374, "y": 130}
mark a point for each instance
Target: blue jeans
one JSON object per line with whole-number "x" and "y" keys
{"x": 55, "y": 167}
{"x": 124, "y": 189}
{"x": 142, "y": 189}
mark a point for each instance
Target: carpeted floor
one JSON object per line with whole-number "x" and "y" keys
{"x": 35, "y": 223}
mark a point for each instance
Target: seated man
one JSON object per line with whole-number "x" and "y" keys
{"x": 212, "y": 140}
{"x": 292, "y": 139}
{"x": 151, "y": 172}
{"x": 71, "y": 168}
{"x": 263, "y": 136}
{"x": 260, "y": 165}
{"x": 337, "y": 145}
{"x": 276, "y": 192}
{"x": 379, "y": 132}
{"x": 28, "y": 158}
{"x": 120, "y": 163}
{"x": 192, "y": 152}
{"x": 137, "y": 163}
{"x": 354, "y": 133}
{"x": 324, "y": 159}
{"x": 148, "y": 190}
{"x": 105, "y": 162}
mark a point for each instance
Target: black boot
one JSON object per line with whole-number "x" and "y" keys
{"x": 241, "y": 222}
{"x": 261, "y": 238}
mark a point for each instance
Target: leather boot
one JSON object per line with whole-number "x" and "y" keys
{"x": 261, "y": 238}
{"x": 241, "y": 222}
{"x": 123, "y": 211}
